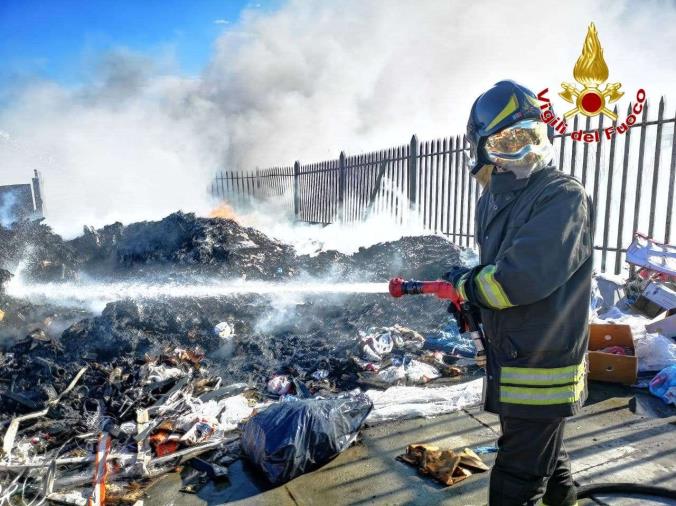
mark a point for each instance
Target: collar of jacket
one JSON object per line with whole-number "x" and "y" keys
{"x": 504, "y": 182}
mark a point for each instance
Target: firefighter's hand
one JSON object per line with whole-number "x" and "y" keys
{"x": 480, "y": 360}
{"x": 454, "y": 275}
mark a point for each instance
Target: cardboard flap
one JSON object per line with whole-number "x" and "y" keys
{"x": 603, "y": 335}
{"x": 612, "y": 368}
{"x": 665, "y": 326}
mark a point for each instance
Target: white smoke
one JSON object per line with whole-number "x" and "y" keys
{"x": 139, "y": 140}
{"x": 7, "y": 202}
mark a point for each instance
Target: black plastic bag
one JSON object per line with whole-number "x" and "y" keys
{"x": 291, "y": 438}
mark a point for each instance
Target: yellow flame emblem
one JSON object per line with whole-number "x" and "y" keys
{"x": 591, "y": 71}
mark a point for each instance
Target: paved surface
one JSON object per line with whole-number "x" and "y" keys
{"x": 621, "y": 436}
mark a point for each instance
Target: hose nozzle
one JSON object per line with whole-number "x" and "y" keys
{"x": 399, "y": 287}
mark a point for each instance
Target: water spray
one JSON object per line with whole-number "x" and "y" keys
{"x": 97, "y": 292}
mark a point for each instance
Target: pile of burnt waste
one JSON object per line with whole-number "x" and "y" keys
{"x": 269, "y": 333}
{"x": 183, "y": 244}
{"x": 170, "y": 378}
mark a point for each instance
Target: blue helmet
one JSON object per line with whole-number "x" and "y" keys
{"x": 505, "y": 104}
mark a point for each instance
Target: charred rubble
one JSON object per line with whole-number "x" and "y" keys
{"x": 183, "y": 244}
{"x": 269, "y": 332}
{"x": 176, "y": 362}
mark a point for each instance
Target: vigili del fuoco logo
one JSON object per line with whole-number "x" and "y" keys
{"x": 591, "y": 72}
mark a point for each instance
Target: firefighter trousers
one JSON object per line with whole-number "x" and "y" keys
{"x": 531, "y": 464}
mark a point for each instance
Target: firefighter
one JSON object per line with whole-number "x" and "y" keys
{"x": 534, "y": 227}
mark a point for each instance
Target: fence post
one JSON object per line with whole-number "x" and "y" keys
{"x": 296, "y": 191}
{"x": 413, "y": 172}
{"x": 257, "y": 186}
{"x": 341, "y": 187}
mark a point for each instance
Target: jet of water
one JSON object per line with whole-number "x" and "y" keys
{"x": 96, "y": 294}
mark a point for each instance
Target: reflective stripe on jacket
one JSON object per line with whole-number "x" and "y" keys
{"x": 536, "y": 241}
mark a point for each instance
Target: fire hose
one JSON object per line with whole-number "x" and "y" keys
{"x": 468, "y": 322}
{"x": 464, "y": 313}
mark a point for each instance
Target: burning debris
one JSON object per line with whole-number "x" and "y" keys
{"x": 153, "y": 382}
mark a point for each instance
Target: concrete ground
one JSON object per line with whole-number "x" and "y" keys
{"x": 622, "y": 435}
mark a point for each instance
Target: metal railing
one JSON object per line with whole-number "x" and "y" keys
{"x": 630, "y": 178}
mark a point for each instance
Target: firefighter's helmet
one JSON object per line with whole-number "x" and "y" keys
{"x": 504, "y": 105}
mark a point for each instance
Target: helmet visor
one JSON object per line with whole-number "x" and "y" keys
{"x": 522, "y": 148}
{"x": 517, "y": 141}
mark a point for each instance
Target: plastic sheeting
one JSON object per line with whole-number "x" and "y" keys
{"x": 664, "y": 385}
{"x": 235, "y": 409}
{"x": 294, "y": 437}
{"x": 450, "y": 340}
{"x": 400, "y": 403}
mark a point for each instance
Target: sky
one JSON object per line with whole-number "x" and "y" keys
{"x": 129, "y": 108}
{"x": 59, "y": 39}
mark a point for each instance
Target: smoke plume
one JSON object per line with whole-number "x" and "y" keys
{"x": 138, "y": 139}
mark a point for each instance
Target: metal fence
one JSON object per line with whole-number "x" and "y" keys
{"x": 630, "y": 178}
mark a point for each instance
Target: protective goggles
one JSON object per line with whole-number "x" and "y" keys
{"x": 524, "y": 140}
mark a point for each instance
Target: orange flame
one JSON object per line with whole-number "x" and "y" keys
{"x": 223, "y": 210}
{"x": 590, "y": 68}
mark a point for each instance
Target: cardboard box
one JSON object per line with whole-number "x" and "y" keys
{"x": 660, "y": 294}
{"x": 665, "y": 326}
{"x": 647, "y": 307}
{"x": 607, "y": 366}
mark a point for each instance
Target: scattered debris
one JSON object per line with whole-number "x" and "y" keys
{"x": 651, "y": 255}
{"x": 279, "y": 385}
{"x": 484, "y": 450}
{"x": 395, "y": 355}
{"x": 451, "y": 341}
{"x": 97, "y": 406}
{"x": 137, "y": 424}
{"x": 223, "y": 330}
{"x": 664, "y": 385}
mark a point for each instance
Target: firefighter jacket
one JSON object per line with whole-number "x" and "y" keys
{"x": 533, "y": 287}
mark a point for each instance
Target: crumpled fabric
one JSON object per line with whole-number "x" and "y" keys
{"x": 446, "y": 466}
{"x": 617, "y": 350}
